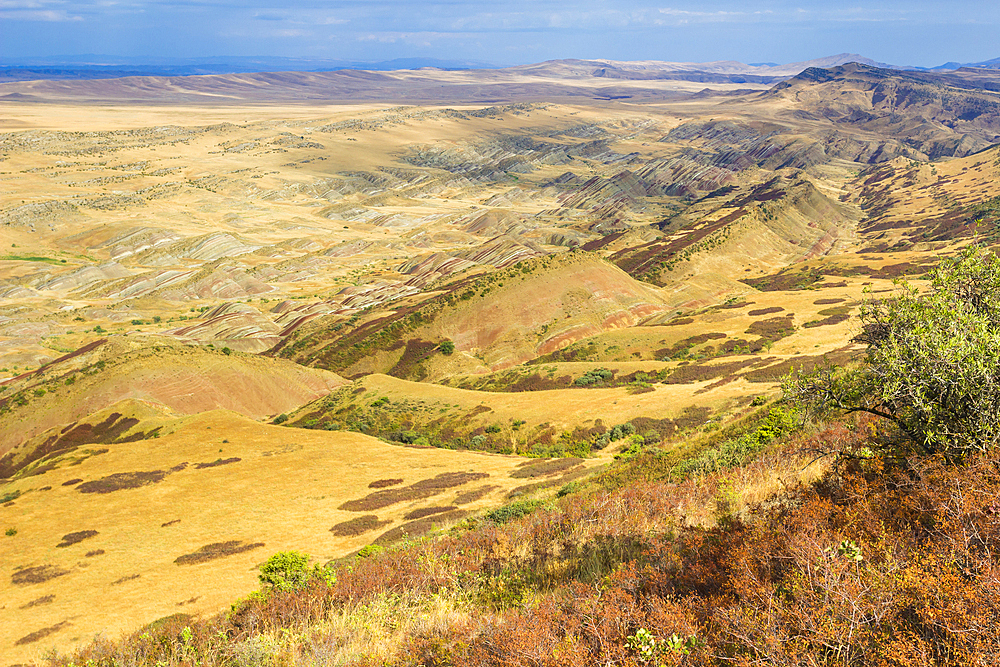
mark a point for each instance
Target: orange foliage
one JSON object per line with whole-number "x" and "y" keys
{"x": 891, "y": 566}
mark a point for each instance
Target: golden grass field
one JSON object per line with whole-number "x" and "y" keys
{"x": 231, "y": 256}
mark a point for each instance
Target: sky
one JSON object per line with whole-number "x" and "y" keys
{"x": 506, "y": 32}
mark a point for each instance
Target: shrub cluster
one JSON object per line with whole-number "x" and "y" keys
{"x": 872, "y": 566}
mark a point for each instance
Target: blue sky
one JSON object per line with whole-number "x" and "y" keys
{"x": 504, "y": 32}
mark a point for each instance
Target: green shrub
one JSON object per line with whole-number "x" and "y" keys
{"x": 370, "y": 550}
{"x": 407, "y": 437}
{"x": 288, "y": 570}
{"x": 280, "y": 419}
{"x": 594, "y": 376}
{"x": 502, "y": 515}
{"x": 447, "y": 347}
{"x": 779, "y": 421}
{"x": 931, "y": 363}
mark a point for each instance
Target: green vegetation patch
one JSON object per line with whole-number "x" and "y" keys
{"x": 32, "y": 258}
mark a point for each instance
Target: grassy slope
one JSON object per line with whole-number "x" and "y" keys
{"x": 183, "y": 378}
{"x": 284, "y": 492}
{"x": 498, "y": 320}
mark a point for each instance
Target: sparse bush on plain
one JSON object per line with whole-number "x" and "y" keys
{"x": 289, "y": 570}
{"x": 595, "y": 376}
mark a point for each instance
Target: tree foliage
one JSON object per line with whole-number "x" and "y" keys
{"x": 931, "y": 368}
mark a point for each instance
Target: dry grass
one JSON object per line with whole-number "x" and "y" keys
{"x": 301, "y": 483}
{"x": 375, "y": 630}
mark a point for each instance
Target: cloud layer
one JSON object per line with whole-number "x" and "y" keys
{"x": 503, "y": 31}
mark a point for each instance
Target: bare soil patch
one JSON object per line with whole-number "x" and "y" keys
{"x": 45, "y": 599}
{"x": 701, "y": 372}
{"x": 419, "y": 527}
{"x": 383, "y": 483}
{"x": 765, "y": 311}
{"x": 772, "y": 329}
{"x": 834, "y": 315}
{"x": 38, "y": 635}
{"x": 683, "y": 346}
{"x": 422, "y": 489}
{"x": 74, "y": 538}
{"x": 447, "y": 480}
{"x": 38, "y": 574}
{"x": 358, "y": 526}
{"x": 216, "y": 550}
{"x": 122, "y": 480}
{"x": 804, "y": 364}
{"x": 385, "y": 498}
{"x": 421, "y": 512}
{"x": 546, "y": 468}
{"x": 473, "y": 495}
{"x": 217, "y": 462}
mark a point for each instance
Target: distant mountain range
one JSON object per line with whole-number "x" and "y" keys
{"x": 113, "y": 67}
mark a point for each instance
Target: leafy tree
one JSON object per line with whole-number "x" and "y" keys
{"x": 447, "y": 347}
{"x": 931, "y": 369}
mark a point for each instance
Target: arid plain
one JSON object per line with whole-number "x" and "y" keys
{"x": 239, "y": 326}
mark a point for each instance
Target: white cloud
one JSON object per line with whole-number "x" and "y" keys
{"x": 46, "y": 15}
